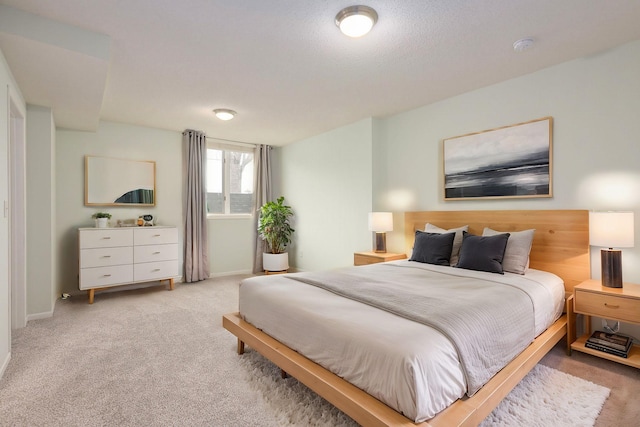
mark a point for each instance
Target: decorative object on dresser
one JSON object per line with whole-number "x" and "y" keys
{"x": 620, "y": 304}
{"x": 366, "y": 258}
{"x": 101, "y": 219}
{"x": 119, "y": 256}
{"x": 511, "y": 161}
{"x": 274, "y": 228}
{"x": 609, "y": 230}
{"x": 380, "y": 223}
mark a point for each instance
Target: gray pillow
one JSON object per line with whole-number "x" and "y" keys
{"x": 483, "y": 253}
{"x": 457, "y": 240}
{"x": 432, "y": 248}
{"x": 516, "y": 254}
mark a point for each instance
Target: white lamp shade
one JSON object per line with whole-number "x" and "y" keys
{"x": 611, "y": 229}
{"x": 380, "y": 221}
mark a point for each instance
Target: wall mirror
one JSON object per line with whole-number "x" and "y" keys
{"x": 119, "y": 182}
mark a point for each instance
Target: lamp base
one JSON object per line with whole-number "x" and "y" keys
{"x": 381, "y": 242}
{"x": 611, "y": 260}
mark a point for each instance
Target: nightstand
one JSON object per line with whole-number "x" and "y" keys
{"x": 622, "y": 304}
{"x": 365, "y": 258}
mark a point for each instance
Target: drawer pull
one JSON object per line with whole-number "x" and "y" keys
{"x": 106, "y": 238}
{"x": 611, "y": 305}
{"x": 156, "y": 253}
{"x": 107, "y": 275}
{"x": 156, "y": 235}
{"x": 106, "y": 256}
{"x": 156, "y": 269}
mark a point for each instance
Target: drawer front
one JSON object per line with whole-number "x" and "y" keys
{"x": 102, "y": 257}
{"x": 365, "y": 260}
{"x": 155, "y": 236}
{"x": 152, "y": 253}
{"x": 155, "y": 270}
{"x": 105, "y": 238}
{"x": 100, "y": 277}
{"x": 607, "y": 306}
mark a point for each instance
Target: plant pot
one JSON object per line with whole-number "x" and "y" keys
{"x": 102, "y": 222}
{"x": 275, "y": 262}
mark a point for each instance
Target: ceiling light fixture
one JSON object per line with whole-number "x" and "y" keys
{"x": 523, "y": 44}
{"x": 356, "y": 21}
{"x": 224, "y": 114}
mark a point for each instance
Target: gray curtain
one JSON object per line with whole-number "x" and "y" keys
{"x": 262, "y": 187}
{"x": 196, "y": 243}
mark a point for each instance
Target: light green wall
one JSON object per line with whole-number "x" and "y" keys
{"x": 230, "y": 240}
{"x": 118, "y": 141}
{"x": 326, "y": 179}
{"x": 594, "y": 101}
{"x": 231, "y": 246}
{"x": 41, "y": 212}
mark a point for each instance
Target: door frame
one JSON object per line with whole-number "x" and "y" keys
{"x": 17, "y": 213}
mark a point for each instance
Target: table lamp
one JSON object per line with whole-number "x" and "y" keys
{"x": 609, "y": 230}
{"x": 380, "y": 223}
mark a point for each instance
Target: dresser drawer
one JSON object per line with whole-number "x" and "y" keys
{"x": 155, "y": 235}
{"x": 152, "y": 253}
{"x": 607, "y": 306}
{"x": 102, "y": 257}
{"x": 155, "y": 270}
{"x": 100, "y": 277}
{"x": 105, "y": 238}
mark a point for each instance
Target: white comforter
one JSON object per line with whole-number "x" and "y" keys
{"x": 409, "y": 366}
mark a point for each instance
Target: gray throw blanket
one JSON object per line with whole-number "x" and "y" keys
{"x": 489, "y": 323}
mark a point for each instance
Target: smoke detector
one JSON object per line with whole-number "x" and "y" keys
{"x": 523, "y": 44}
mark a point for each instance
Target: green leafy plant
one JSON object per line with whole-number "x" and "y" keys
{"x": 101, "y": 215}
{"x": 274, "y": 226}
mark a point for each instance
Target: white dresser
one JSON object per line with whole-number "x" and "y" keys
{"x": 120, "y": 256}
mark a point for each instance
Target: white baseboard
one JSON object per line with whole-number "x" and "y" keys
{"x": 5, "y": 364}
{"x": 38, "y": 316}
{"x": 229, "y": 273}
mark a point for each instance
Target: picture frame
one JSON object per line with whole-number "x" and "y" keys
{"x": 509, "y": 162}
{"x": 119, "y": 182}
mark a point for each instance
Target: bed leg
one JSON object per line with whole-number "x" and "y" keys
{"x": 571, "y": 323}
{"x": 240, "y": 346}
{"x": 283, "y": 374}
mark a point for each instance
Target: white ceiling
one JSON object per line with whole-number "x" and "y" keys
{"x": 282, "y": 64}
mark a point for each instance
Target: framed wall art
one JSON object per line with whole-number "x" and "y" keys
{"x": 512, "y": 161}
{"x": 119, "y": 182}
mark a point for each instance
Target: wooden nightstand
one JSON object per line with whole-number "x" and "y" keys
{"x": 364, "y": 258}
{"x": 622, "y": 304}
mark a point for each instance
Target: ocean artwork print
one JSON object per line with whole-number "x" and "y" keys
{"x": 512, "y": 161}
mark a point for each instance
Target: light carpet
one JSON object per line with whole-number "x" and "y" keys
{"x": 545, "y": 397}
{"x": 150, "y": 357}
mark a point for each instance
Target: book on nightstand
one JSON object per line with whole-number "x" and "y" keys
{"x": 610, "y": 343}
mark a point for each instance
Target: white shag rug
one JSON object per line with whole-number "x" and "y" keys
{"x": 545, "y": 397}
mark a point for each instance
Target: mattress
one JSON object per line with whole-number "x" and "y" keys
{"x": 409, "y": 366}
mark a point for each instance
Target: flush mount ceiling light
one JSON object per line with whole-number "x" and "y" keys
{"x": 523, "y": 44}
{"x": 356, "y": 21}
{"x": 224, "y": 114}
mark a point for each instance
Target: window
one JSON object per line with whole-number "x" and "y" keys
{"x": 229, "y": 180}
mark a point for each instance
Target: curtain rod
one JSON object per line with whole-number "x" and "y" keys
{"x": 232, "y": 141}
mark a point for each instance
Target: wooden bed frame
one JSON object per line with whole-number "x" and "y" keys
{"x": 560, "y": 245}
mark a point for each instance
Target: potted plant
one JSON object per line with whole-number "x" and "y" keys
{"x": 275, "y": 229}
{"x": 101, "y": 219}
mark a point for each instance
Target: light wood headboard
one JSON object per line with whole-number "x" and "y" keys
{"x": 560, "y": 242}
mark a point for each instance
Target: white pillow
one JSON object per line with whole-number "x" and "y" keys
{"x": 516, "y": 254}
{"x": 457, "y": 240}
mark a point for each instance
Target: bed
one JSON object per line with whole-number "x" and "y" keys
{"x": 560, "y": 246}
